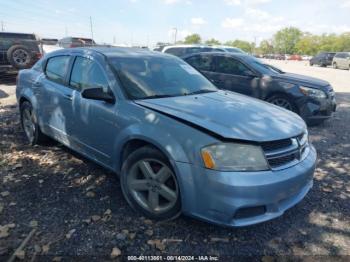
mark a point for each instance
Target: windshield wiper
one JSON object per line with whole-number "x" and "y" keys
{"x": 157, "y": 96}
{"x": 202, "y": 91}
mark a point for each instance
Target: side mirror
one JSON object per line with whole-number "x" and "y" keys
{"x": 98, "y": 94}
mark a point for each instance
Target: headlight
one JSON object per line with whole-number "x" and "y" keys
{"x": 312, "y": 92}
{"x": 234, "y": 157}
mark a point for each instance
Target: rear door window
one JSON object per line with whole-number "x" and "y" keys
{"x": 56, "y": 68}
{"x": 201, "y": 62}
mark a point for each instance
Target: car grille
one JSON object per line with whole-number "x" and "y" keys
{"x": 278, "y": 144}
{"x": 281, "y": 154}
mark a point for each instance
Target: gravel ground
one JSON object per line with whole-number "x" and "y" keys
{"x": 77, "y": 210}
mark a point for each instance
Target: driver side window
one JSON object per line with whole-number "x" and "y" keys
{"x": 87, "y": 74}
{"x": 228, "y": 65}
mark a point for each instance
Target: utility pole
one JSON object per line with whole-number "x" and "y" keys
{"x": 254, "y": 44}
{"x": 92, "y": 32}
{"x": 2, "y": 26}
{"x": 175, "y": 34}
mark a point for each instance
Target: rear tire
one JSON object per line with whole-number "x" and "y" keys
{"x": 20, "y": 57}
{"x": 29, "y": 122}
{"x": 149, "y": 184}
{"x": 335, "y": 66}
{"x": 282, "y": 101}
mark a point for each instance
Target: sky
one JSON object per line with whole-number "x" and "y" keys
{"x": 145, "y": 22}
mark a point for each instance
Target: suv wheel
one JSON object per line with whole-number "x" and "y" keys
{"x": 20, "y": 57}
{"x": 30, "y": 124}
{"x": 149, "y": 184}
{"x": 335, "y": 66}
{"x": 282, "y": 101}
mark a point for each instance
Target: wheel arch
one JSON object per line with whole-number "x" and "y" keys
{"x": 284, "y": 94}
{"x": 167, "y": 146}
{"x": 23, "y": 99}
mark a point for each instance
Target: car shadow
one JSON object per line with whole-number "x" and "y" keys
{"x": 8, "y": 78}
{"x": 3, "y": 94}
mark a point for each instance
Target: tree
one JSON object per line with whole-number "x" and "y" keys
{"x": 265, "y": 47}
{"x": 286, "y": 39}
{"x": 308, "y": 44}
{"x": 193, "y": 39}
{"x": 343, "y": 42}
{"x": 244, "y": 45}
{"x": 212, "y": 41}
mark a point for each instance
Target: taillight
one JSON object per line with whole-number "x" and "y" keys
{"x": 39, "y": 55}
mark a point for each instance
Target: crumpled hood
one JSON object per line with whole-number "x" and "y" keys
{"x": 231, "y": 115}
{"x": 301, "y": 79}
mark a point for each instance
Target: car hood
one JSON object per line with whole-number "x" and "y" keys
{"x": 230, "y": 115}
{"x": 301, "y": 79}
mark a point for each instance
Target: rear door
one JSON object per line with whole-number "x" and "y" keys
{"x": 56, "y": 99}
{"x": 231, "y": 74}
{"x": 204, "y": 63}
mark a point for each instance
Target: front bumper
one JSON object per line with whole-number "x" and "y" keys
{"x": 243, "y": 198}
{"x": 318, "y": 110}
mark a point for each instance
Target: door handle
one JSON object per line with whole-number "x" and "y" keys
{"x": 37, "y": 84}
{"x": 68, "y": 97}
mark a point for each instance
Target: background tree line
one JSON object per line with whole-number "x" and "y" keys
{"x": 289, "y": 40}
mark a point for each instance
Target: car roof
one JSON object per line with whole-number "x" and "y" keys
{"x": 236, "y": 55}
{"x": 14, "y": 33}
{"x": 187, "y": 46}
{"x": 110, "y": 52}
{"x": 225, "y": 47}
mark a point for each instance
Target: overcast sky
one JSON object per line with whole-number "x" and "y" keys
{"x": 148, "y": 21}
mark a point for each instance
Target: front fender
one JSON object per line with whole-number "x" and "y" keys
{"x": 155, "y": 135}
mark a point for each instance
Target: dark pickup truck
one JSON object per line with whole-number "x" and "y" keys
{"x": 18, "y": 51}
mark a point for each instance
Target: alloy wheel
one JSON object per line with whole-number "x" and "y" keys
{"x": 153, "y": 185}
{"x": 282, "y": 102}
{"x": 28, "y": 123}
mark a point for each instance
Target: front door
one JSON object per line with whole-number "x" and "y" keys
{"x": 96, "y": 125}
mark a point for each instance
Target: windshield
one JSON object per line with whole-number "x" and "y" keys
{"x": 155, "y": 77}
{"x": 265, "y": 68}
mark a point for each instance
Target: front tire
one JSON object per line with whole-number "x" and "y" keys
{"x": 335, "y": 66}
{"x": 149, "y": 184}
{"x": 29, "y": 122}
{"x": 282, "y": 101}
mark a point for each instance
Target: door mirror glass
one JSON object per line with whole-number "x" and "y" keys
{"x": 98, "y": 93}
